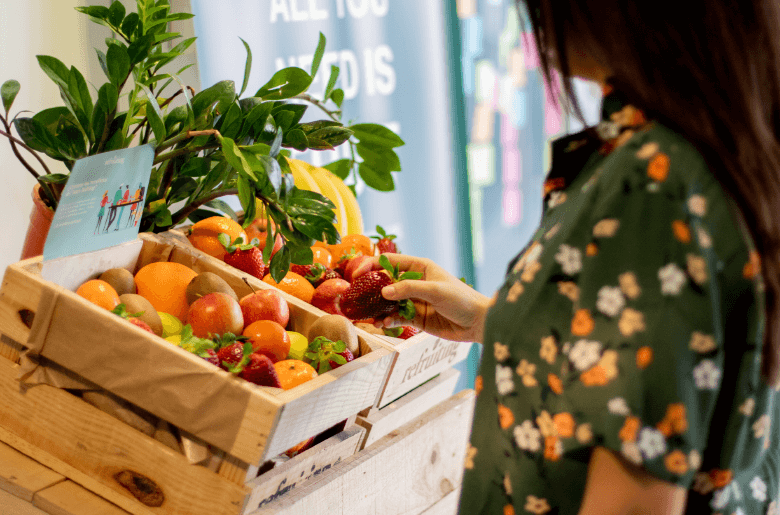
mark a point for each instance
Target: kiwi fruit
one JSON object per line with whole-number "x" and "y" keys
{"x": 136, "y": 304}
{"x": 120, "y": 279}
{"x": 336, "y": 327}
{"x": 205, "y": 283}
{"x": 369, "y": 328}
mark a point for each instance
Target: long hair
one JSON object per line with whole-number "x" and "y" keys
{"x": 709, "y": 70}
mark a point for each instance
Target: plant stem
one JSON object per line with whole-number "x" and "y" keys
{"x": 181, "y": 152}
{"x": 312, "y": 100}
{"x": 181, "y": 137}
{"x": 180, "y": 216}
{"x": 13, "y": 141}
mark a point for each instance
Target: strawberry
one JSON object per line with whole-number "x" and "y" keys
{"x": 140, "y": 323}
{"x": 328, "y": 273}
{"x": 341, "y": 266}
{"x": 121, "y": 311}
{"x": 232, "y": 354}
{"x": 316, "y": 273}
{"x": 260, "y": 370}
{"x": 404, "y": 332}
{"x": 211, "y": 357}
{"x": 199, "y": 346}
{"x": 324, "y": 354}
{"x": 364, "y": 297}
{"x": 385, "y": 241}
{"x": 247, "y": 258}
{"x": 302, "y": 270}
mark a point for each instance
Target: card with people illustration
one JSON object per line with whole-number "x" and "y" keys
{"x": 102, "y": 202}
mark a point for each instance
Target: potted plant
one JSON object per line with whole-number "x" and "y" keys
{"x": 215, "y": 143}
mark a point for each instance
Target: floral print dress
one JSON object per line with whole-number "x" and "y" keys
{"x": 632, "y": 321}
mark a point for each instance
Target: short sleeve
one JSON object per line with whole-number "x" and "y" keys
{"x": 642, "y": 360}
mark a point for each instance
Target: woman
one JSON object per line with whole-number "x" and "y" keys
{"x": 631, "y": 356}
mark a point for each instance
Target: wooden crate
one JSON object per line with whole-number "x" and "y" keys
{"x": 416, "y": 469}
{"x": 417, "y": 359}
{"x": 267, "y": 421}
{"x": 74, "y": 440}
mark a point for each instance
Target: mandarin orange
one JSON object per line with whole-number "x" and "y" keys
{"x": 361, "y": 243}
{"x": 100, "y": 293}
{"x": 203, "y": 234}
{"x": 165, "y": 286}
{"x": 322, "y": 256}
{"x": 294, "y": 372}
{"x": 294, "y": 284}
{"x": 269, "y": 336}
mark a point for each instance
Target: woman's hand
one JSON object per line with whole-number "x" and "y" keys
{"x": 446, "y": 307}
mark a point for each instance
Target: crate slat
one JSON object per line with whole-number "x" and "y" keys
{"x": 22, "y": 476}
{"x": 68, "y": 498}
{"x": 90, "y": 447}
{"x": 15, "y": 506}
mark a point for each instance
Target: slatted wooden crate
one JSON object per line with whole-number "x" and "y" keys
{"x": 268, "y": 422}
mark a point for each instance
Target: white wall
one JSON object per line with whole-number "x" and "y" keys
{"x": 49, "y": 27}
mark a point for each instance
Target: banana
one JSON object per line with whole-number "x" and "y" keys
{"x": 354, "y": 218}
{"x": 322, "y": 186}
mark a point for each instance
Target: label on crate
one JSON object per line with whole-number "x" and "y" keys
{"x": 102, "y": 203}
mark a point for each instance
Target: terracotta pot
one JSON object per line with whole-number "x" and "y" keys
{"x": 40, "y": 221}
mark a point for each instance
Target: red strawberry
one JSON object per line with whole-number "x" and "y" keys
{"x": 385, "y": 241}
{"x": 329, "y": 273}
{"x": 247, "y": 258}
{"x": 302, "y": 270}
{"x": 364, "y": 297}
{"x": 212, "y": 357}
{"x": 404, "y": 332}
{"x": 232, "y": 354}
{"x": 140, "y": 323}
{"x": 347, "y": 355}
{"x": 260, "y": 370}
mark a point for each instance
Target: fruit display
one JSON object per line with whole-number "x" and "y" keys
{"x": 247, "y": 337}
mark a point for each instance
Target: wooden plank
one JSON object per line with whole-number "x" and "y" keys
{"x": 22, "y": 476}
{"x": 95, "y": 450}
{"x": 284, "y": 479}
{"x": 10, "y": 349}
{"x": 68, "y": 498}
{"x": 420, "y": 358}
{"x": 410, "y": 406}
{"x": 448, "y": 505}
{"x": 406, "y": 472}
{"x": 14, "y": 506}
{"x": 17, "y": 293}
{"x": 70, "y": 272}
{"x": 327, "y": 400}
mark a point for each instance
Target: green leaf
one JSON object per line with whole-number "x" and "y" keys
{"x": 337, "y": 96}
{"x": 315, "y": 65}
{"x": 95, "y": 11}
{"x": 376, "y": 134}
{"x": 247, "y": 67}
{"x": 230, "y": 123}
{"x": 222, "y": 93}
{"x": 297, "y": 140}
{"x": 195, "y": 167}
{"x": 377, "y": 179}
{"x": 55, "y": 69}
{"x": 221, "y": 205}
{"x": 8, "y": 91}
{"x": 154, "y": 115}
{"x": 276, "y": 146}
{"x": 54, "y": 178}
{"x": 334, "y": 75}
{"x": 385, "y": 263}
{"x": 118, "y": 64}
{"x": 271, "y": 236}
{"x": 256, "y": 119}
{"x": 318, "y": 144}
{"x": 163, "y": 218}
{"x": 285, "y": 83}
{"x": 201, "y": 214}
{"x": 139, "y": 49}
{"x": 395, "y": 332}
{"x": 280, "y": 264}
{"x": 379, "y": 158}
{"x": 297, "y": 110}
{"x": 246, "y": 192}
{"x": 315, "y": 226}
{"x": 284, "y": 119}
{"x": 319, "y": 124}
{"x": 236, "y": 159}
{"x": 340, "y": 168}
{"x": 181, "y": 188}
{"x": 332, "y": 135}
{"x": 106, "y": 104}
{"x": 116, "y": 13}
{"x": 36, "y": 136}
{"x": 410, "y": 276}
{"x": 129, "y": 24}
{"x": 102, "y": 61}
{"x": 302, "y": 256}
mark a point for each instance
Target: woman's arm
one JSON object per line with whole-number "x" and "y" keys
{"x": 617, "y": 487}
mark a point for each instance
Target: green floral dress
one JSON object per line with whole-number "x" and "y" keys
{"x": 632, "y": 321}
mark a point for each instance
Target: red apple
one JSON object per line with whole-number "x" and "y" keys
{"x": 326, "y": 295}
{"x": 215, "y": 313}
{"x": 265, "y": 305}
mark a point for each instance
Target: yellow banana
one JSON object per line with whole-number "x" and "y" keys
{"x": 312, "y": 182}
{"x": 354, "y": 218}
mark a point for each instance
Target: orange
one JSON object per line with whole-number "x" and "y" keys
{"x": 267, "y": 335}
{"x": 340, "y": 250}
{"x": 293, "y": 372}
{"x": 100, "y": 293}
{"x": 165, "y": 286}
{"x": 203, "y": 234}
{"x": 320, "y": 244}
{"x": 360, "y": 242}
{"x": 294, "y": 284}
{"x": 322, "y": 256}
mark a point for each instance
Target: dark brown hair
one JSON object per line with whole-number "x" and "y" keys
{"x": 708, "y": 69}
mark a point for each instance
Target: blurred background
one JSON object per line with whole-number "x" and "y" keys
{"x": 458, "y": 81}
